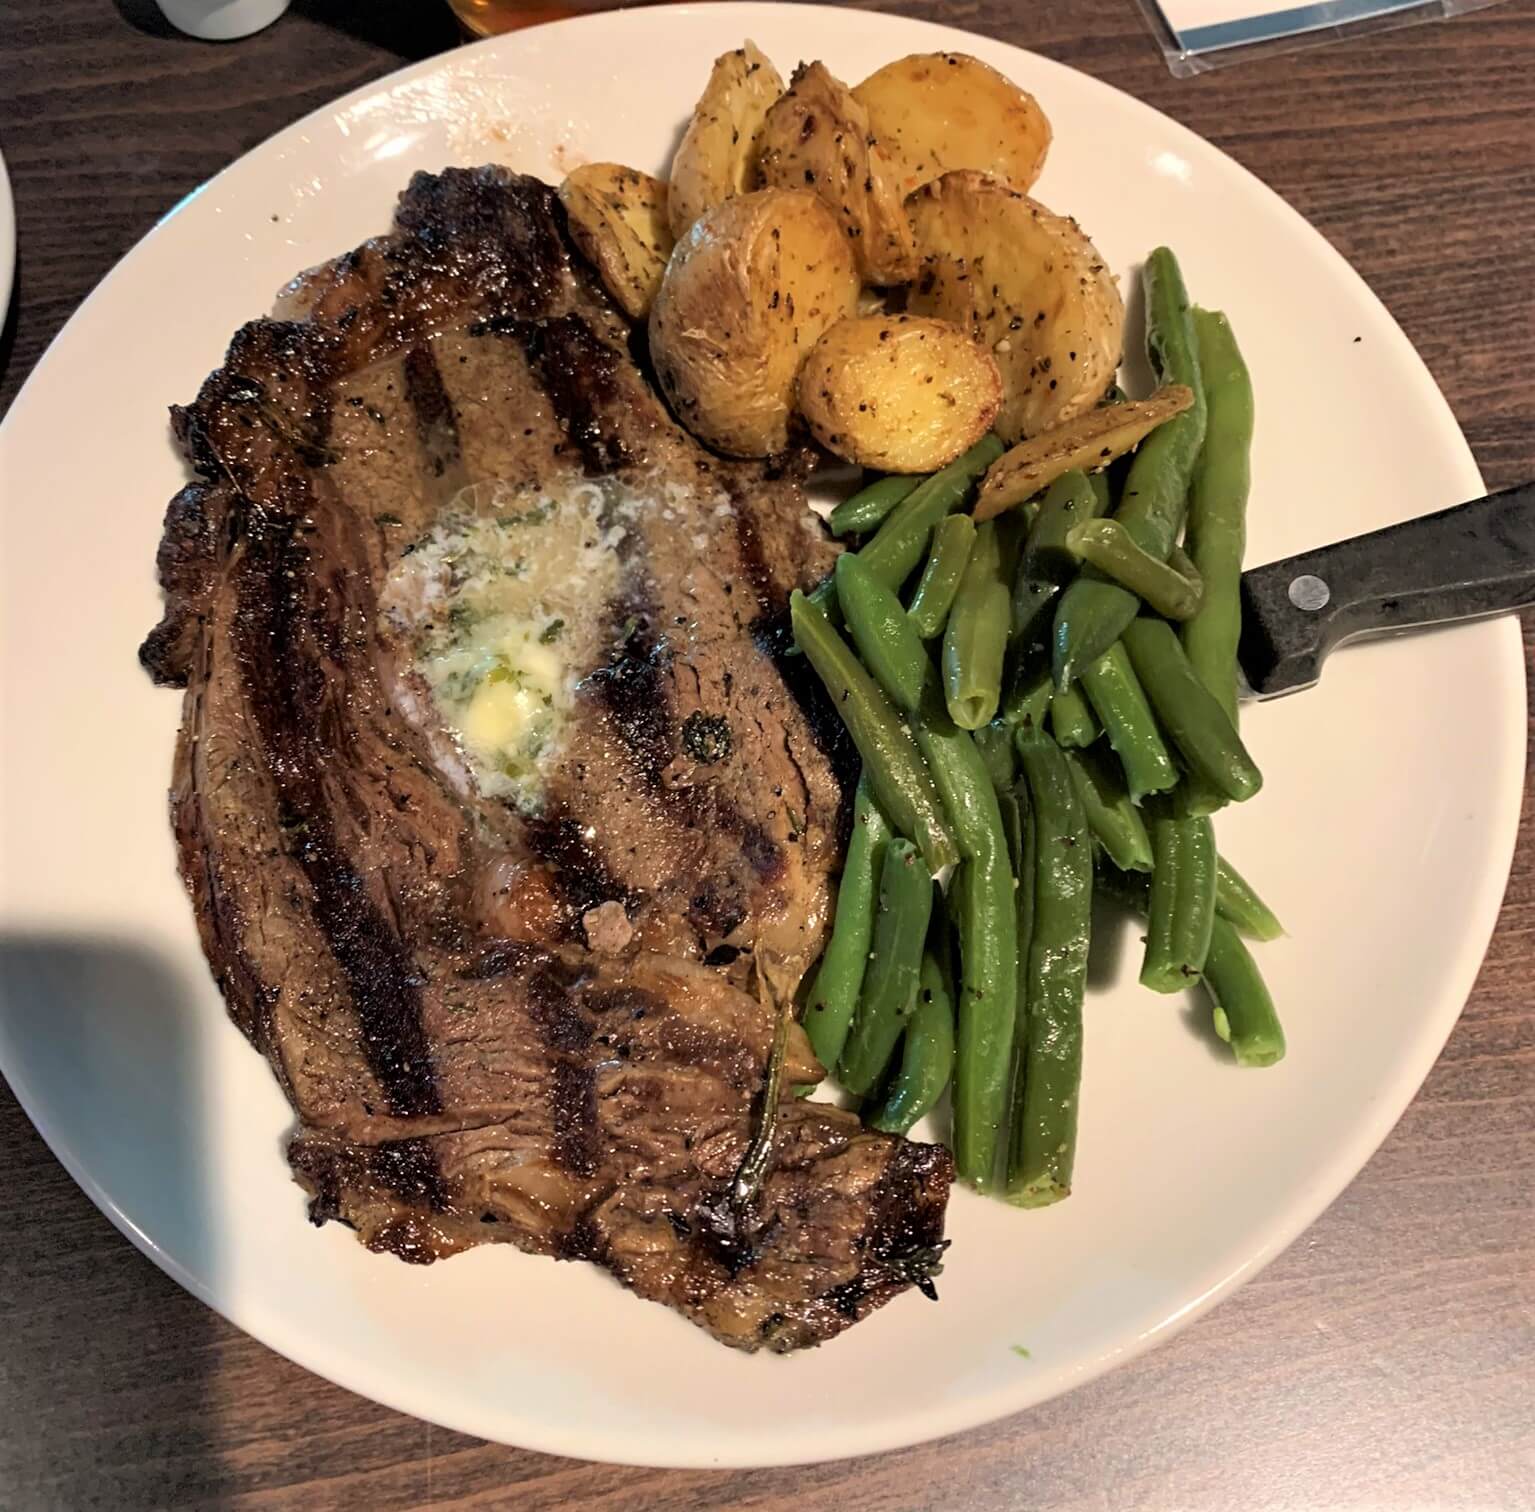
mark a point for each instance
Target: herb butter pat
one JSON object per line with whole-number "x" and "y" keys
{"x": 493, "y": 610}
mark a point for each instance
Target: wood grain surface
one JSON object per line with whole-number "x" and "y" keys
{"x": 1386, "y": 1361}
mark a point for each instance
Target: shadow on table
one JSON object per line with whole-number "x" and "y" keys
{"x": 8, "y": 319}
{"x": 106, "y": 1365}
{"x": 409, "y": 29}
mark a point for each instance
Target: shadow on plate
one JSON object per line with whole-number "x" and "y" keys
{"x": 107, "y": 1365}
{"x": 1115, "y": 930}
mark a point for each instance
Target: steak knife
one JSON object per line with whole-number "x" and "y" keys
{"x": 1469, "y": 562}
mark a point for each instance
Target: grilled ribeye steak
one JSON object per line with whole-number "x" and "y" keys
{"x": 482, "y": 851}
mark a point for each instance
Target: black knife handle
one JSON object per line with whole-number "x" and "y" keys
{"x": 1463, "y": 563}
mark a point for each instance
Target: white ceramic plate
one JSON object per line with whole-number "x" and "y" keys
{"x": 1383, "y": 837}
{"x": 7, "y": 241}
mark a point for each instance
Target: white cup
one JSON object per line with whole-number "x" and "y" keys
{"x": 221, "y": 20}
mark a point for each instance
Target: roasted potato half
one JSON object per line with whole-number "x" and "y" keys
{"x": 717, "y": 157}
{"x": 933, "y": 112}
{"x": 1089, "y": 442}
{"x": 901, "y": 393}
{"x": 1029, "y": 286}
{"x": 747, "y": 293}
{"x": 817, "y": 137}
{"x": 618, "y": 219}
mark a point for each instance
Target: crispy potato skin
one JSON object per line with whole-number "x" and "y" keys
{"x": 717, "y": 157}
{"x": 901, "y": 393}
{"x": 1029, "y": 286}
{"x": 933, "y": 112}
{"x": 746, "y": 295}
{"x": 618, "y": 218}
{"x": 817, "y": 137}
{"x": 1089, "y": 442}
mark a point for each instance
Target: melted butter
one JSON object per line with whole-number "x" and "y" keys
{"x": 495, "y": 610}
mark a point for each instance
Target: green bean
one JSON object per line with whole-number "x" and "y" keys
{"x": 988, "y": 1004}
{"x": 897, "y": 774}
{"x": 834, "y": 993}
{"x": 1012, "y": 827}
{"x": 1042, "y": 1145}
{"x": 1217, "y": 526}
{"x": 975, "y": 639}
{"x": 960, "y": 774}
{"x": 1116, "y": 695}
{"x": 884, "y": 636}
{"x": 927, "y": 1048}
{"x": 1182, "y": 907}
{"x": 890, "y": 984}
{"x": 1072, "y": 721}
{"x": 981, "y": 892}
{"x": 1236, "y": 901}
{"x": 994, "y": 742}
{"x": 1094, "y": 612}
{"x": 987, "y": 928}
{"x": 1025, "y": 865}
{"x": 1115, "y": 821}
{"x": 1183, "y": 564}
{"x": 994, "y": 745}
{"x": 865, "y": 509}
{"x": 1103, "y": 490}
{"x": 1189, "y": 711}
{"x": 1047, "y": 564}
{"x": 1108, "y": 546}
{"x": 902, "y": 540}
{"x": 930, "y": 604}
{"x": 1244, "y": 1011}
{"x": 1028, "y": 699}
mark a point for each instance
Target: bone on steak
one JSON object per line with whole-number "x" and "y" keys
{"x": 409, "y": 955}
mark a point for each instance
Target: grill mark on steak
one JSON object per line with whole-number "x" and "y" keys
{"x": 376, "y": 963}
{"x": 758, "y": 575}
{"x": 632, "y": 687}
{"x": 408, "y": 1168}
{"x": 577, "y": 369}
{"x": 436, "y": 423}
{"x": 567, "y": 1031}
{"x": 579, "y": 875}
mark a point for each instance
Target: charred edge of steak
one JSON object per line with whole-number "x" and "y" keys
{"x": 184, "y": 564}
{"x": 901, "y": 1245}
{"x": 508, "y": 250}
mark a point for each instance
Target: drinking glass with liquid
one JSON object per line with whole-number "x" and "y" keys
{"x": 486, "y": 17}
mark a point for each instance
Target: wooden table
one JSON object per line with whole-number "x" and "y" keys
{"x": 1386, "y": 1361}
